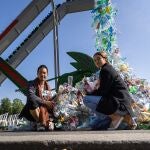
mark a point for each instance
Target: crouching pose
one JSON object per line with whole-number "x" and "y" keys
{"x": 39, "y": 105}
{"x": 112, "y": 97}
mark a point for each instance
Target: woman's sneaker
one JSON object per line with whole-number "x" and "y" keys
{"x": 40, "y": 127}
{"x": 51, "y": 126}
{"x": 134, "y": 124}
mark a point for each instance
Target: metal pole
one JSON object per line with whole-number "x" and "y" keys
{"x": 55, "y": 38}
{"x": 57, "y": 43}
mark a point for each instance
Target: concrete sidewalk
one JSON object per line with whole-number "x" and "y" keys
{"x": 76, "y": 140}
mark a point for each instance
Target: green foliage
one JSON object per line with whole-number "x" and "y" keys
{"x": 144, "y": 126}
{"x": 0, "y": 110}
{"x": 5, "y": 106}
{"x": 17, "y": 106}
{"x": 11, "y": 107}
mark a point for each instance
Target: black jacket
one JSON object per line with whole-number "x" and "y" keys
{"x": 113, "y": 90}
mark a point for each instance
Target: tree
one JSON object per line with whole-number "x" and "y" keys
{"x": 0, "y": 110}
{"x": 5, "y": 106}
{"x": 17, "y": 106}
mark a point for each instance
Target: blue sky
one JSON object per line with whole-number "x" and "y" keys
{"x": 76, "y": 34}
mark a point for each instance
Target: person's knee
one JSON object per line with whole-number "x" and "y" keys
{"x": 34, "y": 112}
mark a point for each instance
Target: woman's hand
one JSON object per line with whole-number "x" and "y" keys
{"x": 47, "y": 98}
{"x": 97, "y": 84}
{"x": 49, "y": 104}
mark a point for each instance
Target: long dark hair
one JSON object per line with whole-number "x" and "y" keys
{"x": 42, "y": 66}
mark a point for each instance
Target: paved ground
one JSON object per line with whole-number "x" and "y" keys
{"x": 74, "y": 140}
